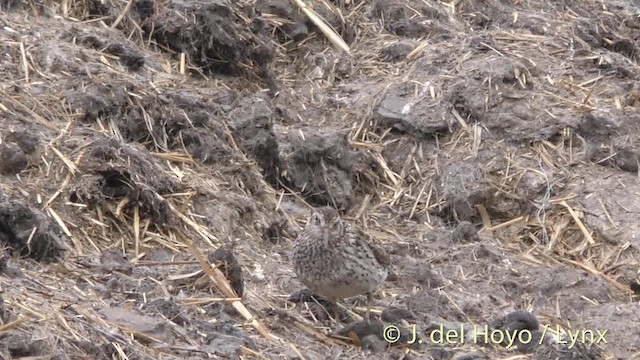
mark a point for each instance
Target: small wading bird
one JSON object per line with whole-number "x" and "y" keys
{"x": 336, "y": 261}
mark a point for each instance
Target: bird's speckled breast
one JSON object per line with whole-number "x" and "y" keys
{"x": 343, "y": 267}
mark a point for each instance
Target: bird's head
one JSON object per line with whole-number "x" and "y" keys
{"x": 316, "y": 219}
{"x": 330, "y": 215}
{"x": 324, "y": 217}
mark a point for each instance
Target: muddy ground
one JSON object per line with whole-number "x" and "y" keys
{"x": 490, "y": 147}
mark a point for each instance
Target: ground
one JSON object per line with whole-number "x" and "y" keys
{"x": 489, "y": 147}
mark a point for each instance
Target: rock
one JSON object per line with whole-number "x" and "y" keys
{"x": 226, "y": 261}
{"x": 403, "y": 110}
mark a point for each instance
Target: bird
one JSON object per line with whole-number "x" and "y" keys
{"x": 336, "y": 260}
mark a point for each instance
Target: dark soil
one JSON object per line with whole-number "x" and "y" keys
{"x": 489, "y": 147}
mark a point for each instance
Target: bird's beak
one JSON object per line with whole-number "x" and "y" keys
{"x": 325, "y": 235}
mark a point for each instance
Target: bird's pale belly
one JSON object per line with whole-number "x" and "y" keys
{"x": 345, "y": 286}
{"x": 341, "y": 291}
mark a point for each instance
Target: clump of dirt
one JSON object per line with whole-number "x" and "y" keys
{"x": 226, "y": 261}
{"x": 316, "y": 162}
{"x": 19, "y": 150}
{"x": 15, "y": 345}
{"x": 319, "y": 163}
{"x": 29, "y": 232}
{"x": 12, "y": 159}
{"x": 294, "y": 27}
{"x": 611, "y": 139}
{"x": 399, "y": 19}
{"x": 397, "y": 51}
{"x": 142, "y": 182}
{"x": 190, "y": 123}
{"x": 401, "y": 110}
{"x": 252, "y": 123}
{"x": 219, "y": 38}
{"x": 130, "y": 57}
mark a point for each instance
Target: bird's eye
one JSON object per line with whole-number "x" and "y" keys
{"x": 315, "y": 219}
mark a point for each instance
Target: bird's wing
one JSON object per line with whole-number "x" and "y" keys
{"x": 381, "y": 256}
{"x": 365, "y": 241}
